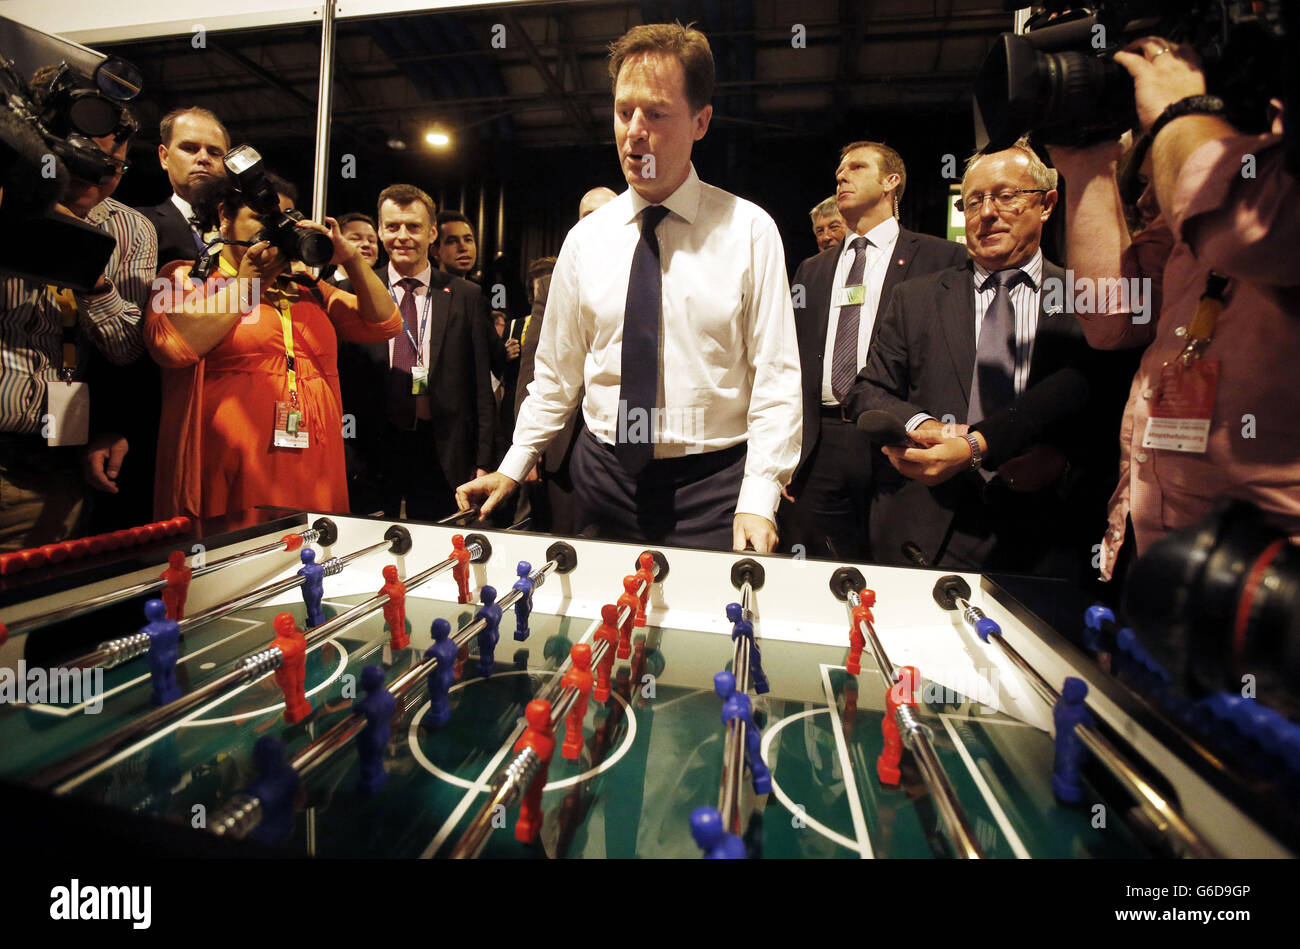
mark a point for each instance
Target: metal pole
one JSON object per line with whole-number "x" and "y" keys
{"x": 324, "y": 106}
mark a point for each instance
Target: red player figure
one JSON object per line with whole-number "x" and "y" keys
{"x": 901, "y": 692}
{"x": 866, "y": 600}
{"x": 461, "y": 569}
{"x": 609, "y": 633}
{"x": 647, "y": 575}
{"x": 632, "y": 602}
{"x": 395, "y": 608}
{"x": 578, "y": 677}
{"x": 291, "y": 677}
{"x": 539, "y": 737}
{"x": 178, "y": 577}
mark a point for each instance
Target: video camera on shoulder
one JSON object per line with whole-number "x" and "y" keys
{"x": 244, "y": 165}
{"x": 1059, "y": 78}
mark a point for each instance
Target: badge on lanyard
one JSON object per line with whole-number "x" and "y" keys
{"x": 851, "y": 296}
{"x": 290, "y": 432}
{"x": 1183, "y": 403}
{"x": 419, "y": 380}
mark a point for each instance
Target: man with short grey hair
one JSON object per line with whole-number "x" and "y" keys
{"x": 827, "y": 222}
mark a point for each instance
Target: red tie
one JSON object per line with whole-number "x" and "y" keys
{"x": 404, "y": 353}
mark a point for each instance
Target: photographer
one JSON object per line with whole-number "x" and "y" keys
{"x": 251, "y": 407}
{"x": 1211, "y": 410}
{"x": 47, "y": 338}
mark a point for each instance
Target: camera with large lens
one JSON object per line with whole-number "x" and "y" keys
{"x": 1220, "y": 601}
{"x": 244, "y": 165}
{"x": 1059, "y": 78}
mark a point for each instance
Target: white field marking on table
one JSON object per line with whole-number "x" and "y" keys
{"x": 999, "y": 814}
{"x": 149, "y": 739}
{"x": 63, "y": 711}
{"x": 344, "y": 658}
{"x": 624, "y": 746}
{"x": 768, "y": 737}
{"x": 480, "y": 785}
{"x": 850, "y": 783}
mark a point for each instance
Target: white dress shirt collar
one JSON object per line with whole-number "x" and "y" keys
{"x": 1033, "y": 267}
{"x": 424, "y": 276}
{"x": 186, "y": 209}
{"x": 684, "y": 202}
{"x": 883, "y": 234}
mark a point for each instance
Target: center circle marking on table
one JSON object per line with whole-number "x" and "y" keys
{"x": 417, "y": 752}
{"x": 768, "y": 737}
{"x": 344, "y": 655}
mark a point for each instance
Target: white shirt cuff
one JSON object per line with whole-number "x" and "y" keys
{"x": 517, "y": 463}
{"x": 758, "y": 496}
{"x": 915, "y": 421}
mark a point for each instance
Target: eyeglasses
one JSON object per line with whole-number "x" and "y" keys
{"x": 1009, "y": 200}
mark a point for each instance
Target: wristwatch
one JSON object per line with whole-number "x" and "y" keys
{"x": 976, "y": 456}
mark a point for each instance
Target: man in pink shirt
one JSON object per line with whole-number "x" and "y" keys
{"x": 1222, "y": 422}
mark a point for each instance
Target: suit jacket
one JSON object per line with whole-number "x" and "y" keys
{"x": 914, "y": 255}
{"x": 460, "y": 389}
{"x": 922, "y": 359}
{"x": 175, "y": 239}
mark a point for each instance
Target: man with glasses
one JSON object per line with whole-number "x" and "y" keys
{"x": 995, "y": 478}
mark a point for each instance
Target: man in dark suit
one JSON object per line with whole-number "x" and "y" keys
{"x": 838, "y": 295}
{"x": 422, "y": 403}
{"x": 193, "y": 143}
{"x": 956, "y": 358}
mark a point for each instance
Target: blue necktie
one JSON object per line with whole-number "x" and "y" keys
{"x": 639, "y": 370}
{"x": 993, "y": 385}
{"x": 844, "y": 357}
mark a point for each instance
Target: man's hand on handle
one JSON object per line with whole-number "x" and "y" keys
{"x": 489, "y": 490}
{"x": 758, "y": 532}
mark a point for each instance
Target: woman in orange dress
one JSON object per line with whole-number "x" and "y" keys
{"x": 251, "y": 407}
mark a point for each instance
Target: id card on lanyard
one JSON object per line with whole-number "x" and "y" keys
{"x": 419, "y": 371}
{"x": 290, "y": 426}
{"x": 67, "y": 403}
{"x": 1183, "y": 405}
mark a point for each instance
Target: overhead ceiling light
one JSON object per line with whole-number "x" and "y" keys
{"x": 438, "y": 138}
{"x": 397, "y": 144}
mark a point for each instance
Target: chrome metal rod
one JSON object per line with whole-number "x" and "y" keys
{"x": 733, "y": 745}
{"x": 245, "y": 669}
{"x": 506, "y": 789}
{"x": 124, "y": 648}
{"x": 1159, "y": 811}
{"x": 917, "y": 737}
{"x": 69, "y": 773}
{"x": 93, "y": 603}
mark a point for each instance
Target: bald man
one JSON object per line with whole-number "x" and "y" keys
{"x": 594, "y": 199}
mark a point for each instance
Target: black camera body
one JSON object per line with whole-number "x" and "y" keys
{"x": 244, "y": 165}
{"x": 1059, "y": 78}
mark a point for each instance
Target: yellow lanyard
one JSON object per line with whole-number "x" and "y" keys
{"x": 68, "y": 311}
{"x": 1208, "y": 308}
{"x": 282, "y": 298}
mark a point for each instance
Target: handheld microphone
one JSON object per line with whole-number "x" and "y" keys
{"x": 883, "y": 428}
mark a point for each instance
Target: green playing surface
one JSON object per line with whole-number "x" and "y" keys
{"x": 650, "y": 756}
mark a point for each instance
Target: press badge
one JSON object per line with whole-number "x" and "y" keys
{"x": 289, "y": 429}
{"x": 419, "y": 380}
{"x": 1183, "y": 406}
{"x": 851, "y": 296}
{"x": 67, "y": 413}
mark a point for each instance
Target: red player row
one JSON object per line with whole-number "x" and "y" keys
{"x": 35, "y": 557}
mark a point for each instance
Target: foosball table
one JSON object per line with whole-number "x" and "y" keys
{"x": 509, "y": 694}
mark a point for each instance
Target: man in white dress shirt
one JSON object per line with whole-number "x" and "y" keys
{"x": 682, "y": 333}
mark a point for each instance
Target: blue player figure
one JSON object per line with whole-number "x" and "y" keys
{"x": 164, "y": 648}
{"x": 743, "y": 627}
{"x": 443, "y": 675}
{"x": 490, "y": 614}
{"x": 275, "y": 788}
{"x": 717, "y": 844}
{"x": 377, "y": 707}
{"x": 313, "y": 586}
{"x": 735, "y": 705}
{"x": 1068, "y": 712}
{"x": 523, "y": 605}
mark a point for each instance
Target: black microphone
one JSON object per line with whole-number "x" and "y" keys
{"x": 883, "y": 428}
